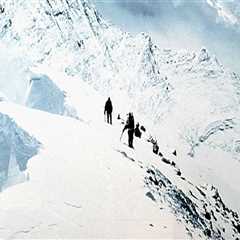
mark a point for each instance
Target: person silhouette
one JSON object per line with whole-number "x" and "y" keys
{"x": 130, "y": 126}
{"x": 108, "y": 110}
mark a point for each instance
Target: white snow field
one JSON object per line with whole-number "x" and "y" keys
{"x": 61, "y": 60}
{"x": 81, "y": 186}
{"x": 86, "y": 183}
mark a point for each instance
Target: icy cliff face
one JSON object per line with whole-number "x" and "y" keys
{"x": 45, "y": 95}
{"x": 17, "y": 147}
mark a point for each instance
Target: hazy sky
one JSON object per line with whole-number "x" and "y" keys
{"x": 188, "y": 24}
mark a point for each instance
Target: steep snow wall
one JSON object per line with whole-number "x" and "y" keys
{"x": 16, "y": 147}
{"x": 45, "y": 95}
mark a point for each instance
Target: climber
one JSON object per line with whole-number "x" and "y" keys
{"x": 108, "y": 110}
{"x": 130, "y": 126}
{"x": 137, "y": 131}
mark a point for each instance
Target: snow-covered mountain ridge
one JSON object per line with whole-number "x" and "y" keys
{"x": 71, "y": 37}
{"x": 92, "y": 187}
{"x": 189, "y": 101}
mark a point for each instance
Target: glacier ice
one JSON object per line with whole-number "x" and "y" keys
{"x": 45, "y": 95}
{"x": 16, "y": 148}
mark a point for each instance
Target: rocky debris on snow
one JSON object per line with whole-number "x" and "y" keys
{"x": 166, "y": 160}
{"x": 176, "y": 198}
{"x": 150, "y": 195}
{"x": 174, "y": 153}
{"x": 200, "y": 207}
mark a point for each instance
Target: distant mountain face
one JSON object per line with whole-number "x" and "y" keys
{"x": 173, "y": 89}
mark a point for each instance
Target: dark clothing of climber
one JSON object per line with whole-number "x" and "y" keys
{"x": 108, "y": 110}
{"x": 130, "y": 126}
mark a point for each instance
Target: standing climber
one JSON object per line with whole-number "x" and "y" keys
{"x": 108, "y": 110}
{"x": 130, "y": 126}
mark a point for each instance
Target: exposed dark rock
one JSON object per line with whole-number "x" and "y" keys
{"x": 150, "y": 171}
{"x": 166, "y": 160}
{"x": 173, "y": 163}
{"x": 193, "y": 194}
{"x": 213, "y": 215}
{"x": 201, "y": 192}
{"x": 237, "y": 227}
{"x": 150, "y": 195}
{"x": 174, "y": 153}
{"x": 153, "y": 180}
{"x": 56, "y": 14}
{"x": 207, "y": 216}
{"x": 179, "y": 172}
{"x": 180, "y": 203}
{"x": 2, "y": 9}
{"x": 207, "y": 232}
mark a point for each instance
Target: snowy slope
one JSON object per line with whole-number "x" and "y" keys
{"x": 188, "y": 101}
{"x": 77, "y": 186}
{"x": 85, "y": 183}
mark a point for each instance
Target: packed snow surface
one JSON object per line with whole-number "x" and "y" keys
{"x": 80, "y": 186}
{"x": 85, "y": 182}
